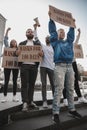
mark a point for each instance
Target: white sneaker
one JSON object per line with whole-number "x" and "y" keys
{"x": 33, "y": 105}
{"x": 25, "y": 107}
{"x": 15, "y": 99}
{"x": 65, "y": 102}
{"x": 4, "y": 99}
{"x": 82, "y": 100}
{"x": 45, "y": 104}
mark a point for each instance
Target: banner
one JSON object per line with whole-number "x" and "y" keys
{"x": 78, "y": 51}
{"x": 62, "y": 17}
{"x": 29, "y": 53}
{"x": 9, "y": 60}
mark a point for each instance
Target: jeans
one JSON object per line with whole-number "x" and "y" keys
{"x": 63, "y": 73}
{"x": 76, "y": 84}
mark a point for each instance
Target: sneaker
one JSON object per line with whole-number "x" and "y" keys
{"x": 82, "y": 100}
{"x": 56, "y": 118}
{"x": 4, "y": 99}
{"x": 75, "y": 114}
{"x": 25, "y": 107}
{"x": 45, "y": 104}
{"x": 65, "y": 102}
{"x": 15, "y": 99}
{"x": 33, "y": 105}
{"x": 57, "y": 121}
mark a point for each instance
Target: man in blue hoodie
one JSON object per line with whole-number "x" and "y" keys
{"x": 63, "y": 56}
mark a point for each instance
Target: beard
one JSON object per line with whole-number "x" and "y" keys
{"x": 30, "y": 37}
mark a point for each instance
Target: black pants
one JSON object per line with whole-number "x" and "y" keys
{"x": 76, "y": 84}
{"x": 28, "y": 78}
{"x": 7, "y": 73}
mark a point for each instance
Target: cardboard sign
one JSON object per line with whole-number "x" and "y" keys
{"x": 9, "y": 60}
{"x": 85, "y": 73}
{"x": 78, "y": 52}
{"x": 62, "y": 17}
{"x": 29, "y": 53}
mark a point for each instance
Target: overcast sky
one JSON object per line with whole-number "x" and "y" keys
{"x": 20, "y": 15}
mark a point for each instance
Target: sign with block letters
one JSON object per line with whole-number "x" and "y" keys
{"x": 78, "y": 51}
{"x": 62, "y": 17}
{"x": 9, "y": 60}
{"x": 29, "y": 53}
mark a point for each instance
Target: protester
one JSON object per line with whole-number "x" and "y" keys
{"x": 76, "y": 76}
{"x": 47, "y": 68}
{"x": 63, "y": 71}
{"x": 28, "y": 73}
{"x": 7, "y": 71}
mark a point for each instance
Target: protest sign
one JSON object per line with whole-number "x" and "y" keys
{"x": 62, "y": 17}
{"x": 29, "y": 53}
{"x": 78, "y": 51}
{"x": 9, "y": 60}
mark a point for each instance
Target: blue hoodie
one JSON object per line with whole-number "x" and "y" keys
{"x": 63, "y": 50}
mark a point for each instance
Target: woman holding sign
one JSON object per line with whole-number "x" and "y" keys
{"x": 7, "y": 71}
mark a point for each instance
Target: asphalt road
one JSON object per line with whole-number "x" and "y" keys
{"x": 80, "y": 127}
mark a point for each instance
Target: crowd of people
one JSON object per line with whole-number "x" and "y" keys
{"x": 58, "y": 62}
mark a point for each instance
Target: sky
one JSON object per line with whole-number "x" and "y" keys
{"x": 19, "y": 16}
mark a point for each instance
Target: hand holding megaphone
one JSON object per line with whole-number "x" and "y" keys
{"x": 37, "y": 21}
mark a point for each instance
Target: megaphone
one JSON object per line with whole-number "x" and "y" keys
{"x": 37, "y": 21}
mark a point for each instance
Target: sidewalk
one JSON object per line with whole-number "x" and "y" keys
{"x": 39, "y": 119}
{"x": 37, "y": 95}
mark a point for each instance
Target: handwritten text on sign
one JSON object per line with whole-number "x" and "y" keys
{"x": 78, "y": 52}
{"x": 62, "y": 17}
{"x": 29, "y": 53}
{"x": 9, "y": 60}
